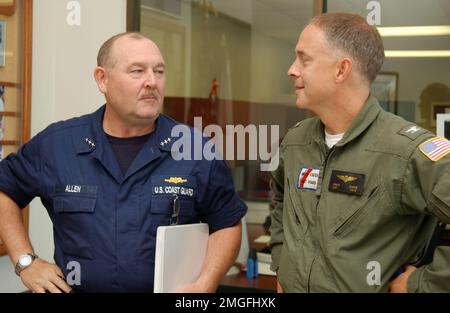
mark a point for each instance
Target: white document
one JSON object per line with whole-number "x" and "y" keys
{"x": 262, "y": 239}
{"x": 179, "y": 255}
{"x": 264, "y": 269}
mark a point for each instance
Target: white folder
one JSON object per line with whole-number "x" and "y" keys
{"x": 179, "y": 255}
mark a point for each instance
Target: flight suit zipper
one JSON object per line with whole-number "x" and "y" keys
{"x": 328, "y": 154}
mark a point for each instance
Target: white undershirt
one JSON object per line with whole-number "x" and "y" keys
{"x": 331, "y": 140}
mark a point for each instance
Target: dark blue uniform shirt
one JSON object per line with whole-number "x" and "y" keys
{"x": 107, "y": 220}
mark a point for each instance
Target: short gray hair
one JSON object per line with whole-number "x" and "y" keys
{"x": 350, "y": 33}
{"x": 104, "y": 54}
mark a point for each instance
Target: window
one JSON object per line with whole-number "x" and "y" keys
{"x": 227, "y": 61}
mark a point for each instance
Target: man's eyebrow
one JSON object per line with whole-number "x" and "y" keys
{"x": 137, "y": 64}
{"x": 302, "y": 54}
{"x": 160, "y": 64}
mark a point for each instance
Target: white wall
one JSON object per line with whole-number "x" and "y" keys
{"x": 63, "y": 61}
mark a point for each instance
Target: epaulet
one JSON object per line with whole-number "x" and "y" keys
{"x": 296, "y": 125}
{"x": 412, "y": 131}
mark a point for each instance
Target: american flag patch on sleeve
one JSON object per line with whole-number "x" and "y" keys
{"x": 435, "y": 148}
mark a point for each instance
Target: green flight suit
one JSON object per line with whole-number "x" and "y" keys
{"x": 370, "y": 207}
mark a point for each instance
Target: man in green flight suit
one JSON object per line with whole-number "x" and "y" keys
{"x": 359, "y": 191}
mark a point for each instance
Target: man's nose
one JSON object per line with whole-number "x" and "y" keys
{"x": 293, "y": 71}
{"x": 150, "y": 81}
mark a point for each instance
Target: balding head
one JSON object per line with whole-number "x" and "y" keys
{"x": 105, "y": 56}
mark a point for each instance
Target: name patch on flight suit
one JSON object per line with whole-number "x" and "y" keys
{"x": 173, "y": 185}
{"x": 346, "y": 182}
{"x": 308, "y": 178}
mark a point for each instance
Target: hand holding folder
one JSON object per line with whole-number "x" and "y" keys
{"x": 179, "y": 256}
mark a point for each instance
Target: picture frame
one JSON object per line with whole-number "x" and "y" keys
{"x": 2, "y": 42}
{"x": 385, "y": 89}
{"x": 438, "y": 108}
{"x": 443, "y": 125}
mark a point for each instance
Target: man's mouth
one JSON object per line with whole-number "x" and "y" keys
{"x": 148, "y": 97}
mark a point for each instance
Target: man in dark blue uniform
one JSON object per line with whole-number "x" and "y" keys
{"x": 109, "y": 179}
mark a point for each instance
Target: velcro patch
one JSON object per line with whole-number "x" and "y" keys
{"x": 435, "y": 148}
{"x": 346, "y": 182}
{"x": 412, "y": 131}
{"x": 308, "y": 178}
{"x": 181, "y": 185}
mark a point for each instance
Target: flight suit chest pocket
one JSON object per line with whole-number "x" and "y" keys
{"x": 295, "y": 206}
{"x": 173, "y": 200}
{"x": 356, "y": 214}
{"x": 74, "y": 208}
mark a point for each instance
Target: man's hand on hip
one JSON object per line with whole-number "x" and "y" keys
{"x": 399, "y": 285}
{"x": 42, "y": 277}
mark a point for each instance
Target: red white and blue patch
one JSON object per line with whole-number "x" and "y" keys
{"x": 435, "y": 148}
{"x": 308, "y": 178}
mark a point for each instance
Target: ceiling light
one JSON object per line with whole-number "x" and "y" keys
{"x": 403, "y": 31}
{"x": 417, "y": 53}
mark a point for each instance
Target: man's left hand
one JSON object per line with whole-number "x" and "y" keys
{"x": 399, "y": 285}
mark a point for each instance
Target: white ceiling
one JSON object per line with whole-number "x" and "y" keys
{"x": 400, "y": 12}
{"x": 284, "y": 19}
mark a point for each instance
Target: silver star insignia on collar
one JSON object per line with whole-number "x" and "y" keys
{"x": 165, "y": 142}
{"x": 89, "y": 142}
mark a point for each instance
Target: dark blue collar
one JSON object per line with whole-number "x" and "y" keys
{"x": 94, "y": 141}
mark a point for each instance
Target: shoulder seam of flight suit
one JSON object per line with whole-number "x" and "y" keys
{"x": 404, "y": 125}
{"x": 407, "y": 144}
{"x": 299, "y": 127}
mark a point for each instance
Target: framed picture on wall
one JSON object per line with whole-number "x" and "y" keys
{"x": 443, "y": 125}
{"x": 438, "y": 108}
{"x": 2, "y": 42}
{"x": 385, "y": 89}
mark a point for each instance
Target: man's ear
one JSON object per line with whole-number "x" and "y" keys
{"x": 343, "y": 70}
{"x": 101, "y": 78}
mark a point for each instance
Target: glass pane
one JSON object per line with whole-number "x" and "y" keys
{"x": 227, "y": 62}
{"x": 423, "y": 79}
